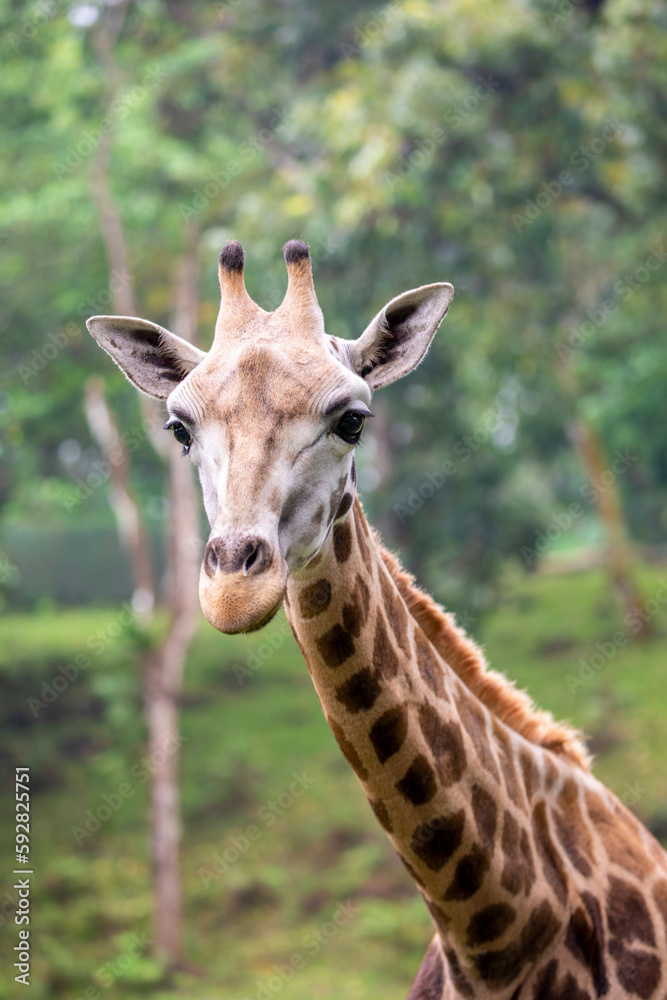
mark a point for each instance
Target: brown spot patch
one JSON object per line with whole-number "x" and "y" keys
{"x": 490, "y": 923}
{"x": 638, "y": 971}
{"x": 315, "y": 599}
{"x": 342, "y": 541}
{"x": 439, "y": 916}
{"x": 435, "y": 841}
{"x": 388, "y": 732}
{"x": 457, "y": 975}
{"x": 336, "y": 497}
{"x": 473, "y": 722}
{"x": 418, "y": 784}
{"x": 362, "y": 595}
{"x": 552, "y": 862}
{"x": 550, "y": 772}
{"x": 506, "y": 760}
{"x": 621, "y": 843}
{"x": 352, "y": 619}
{"x": 359, "y": 532}
{"x": 275, "y": 500}
{"x": 349, "y": 751}
{"x": 385, "y": 659}
{"x": 627, "y": 914}
{"x": 531, "y": 776}
{"x": 382, "y": 814}
{"x": 548, "y": 988}
{"x": 469, "y": 874}
{"x": 585, "y": 939}
{"x": 572, "y": 830}
{"x": 360, "y": 692}
{"x": 395, "y": 610}
{"x": 344, "y": 505}
{"x": 485, "y": 811}
{"x": 429, "y": 667}
{"x": 430, "y": 980}
{"x": 501, "y": 967}
{"x": 335, "y": 646}
{"x": 519, "y": 869}
{"x": 660, "y": 896}
{"x": 445, "y": 742}
{"x": 318, "y": 515}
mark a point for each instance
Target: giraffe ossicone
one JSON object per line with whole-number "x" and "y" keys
{"x": 540, "y": 884}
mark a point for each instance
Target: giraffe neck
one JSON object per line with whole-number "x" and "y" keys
{"x": 463, "y": 798}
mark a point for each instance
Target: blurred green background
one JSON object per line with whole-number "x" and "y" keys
{"x": 516, "y": 149}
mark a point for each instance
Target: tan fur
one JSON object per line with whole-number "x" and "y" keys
{"x": 513, "y": 707}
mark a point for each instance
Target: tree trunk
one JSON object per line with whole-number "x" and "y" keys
{"x": 619, "y": 554}
{"x": 163, "y": 681}
{"x": 620, "y": 558}
{"x": 164, "y": 665}
{"x": 131, "y": 526}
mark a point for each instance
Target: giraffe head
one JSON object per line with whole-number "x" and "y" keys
{"x": 270, "y": 416}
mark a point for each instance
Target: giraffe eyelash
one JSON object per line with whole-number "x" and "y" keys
{"x": 350, "y": 435}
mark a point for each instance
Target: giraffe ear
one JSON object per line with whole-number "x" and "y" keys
{"x": 397, "y": 339}
{"x": 151, "y": 357}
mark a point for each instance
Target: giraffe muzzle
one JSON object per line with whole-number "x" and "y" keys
{"x": 242, "y": 582}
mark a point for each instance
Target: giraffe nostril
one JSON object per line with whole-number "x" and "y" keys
{"x": 210, "y": 559}
{"x": 258, "y": 559}
{"x": 250, "y": 562}
{"x": 250, "y": 556}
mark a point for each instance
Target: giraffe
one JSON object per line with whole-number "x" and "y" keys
{"x": 540, "y": 884}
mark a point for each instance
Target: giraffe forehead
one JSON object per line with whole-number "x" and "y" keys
{"x": 268, "y": 383}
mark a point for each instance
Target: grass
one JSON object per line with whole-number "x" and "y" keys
{"x": 289, "y": 883}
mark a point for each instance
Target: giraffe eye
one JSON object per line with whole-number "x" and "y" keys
{"x": 350, "y": 426}
{"x": 181, "y": 433}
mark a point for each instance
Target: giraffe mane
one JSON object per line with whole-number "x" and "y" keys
{"x": 500, "y": 695}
